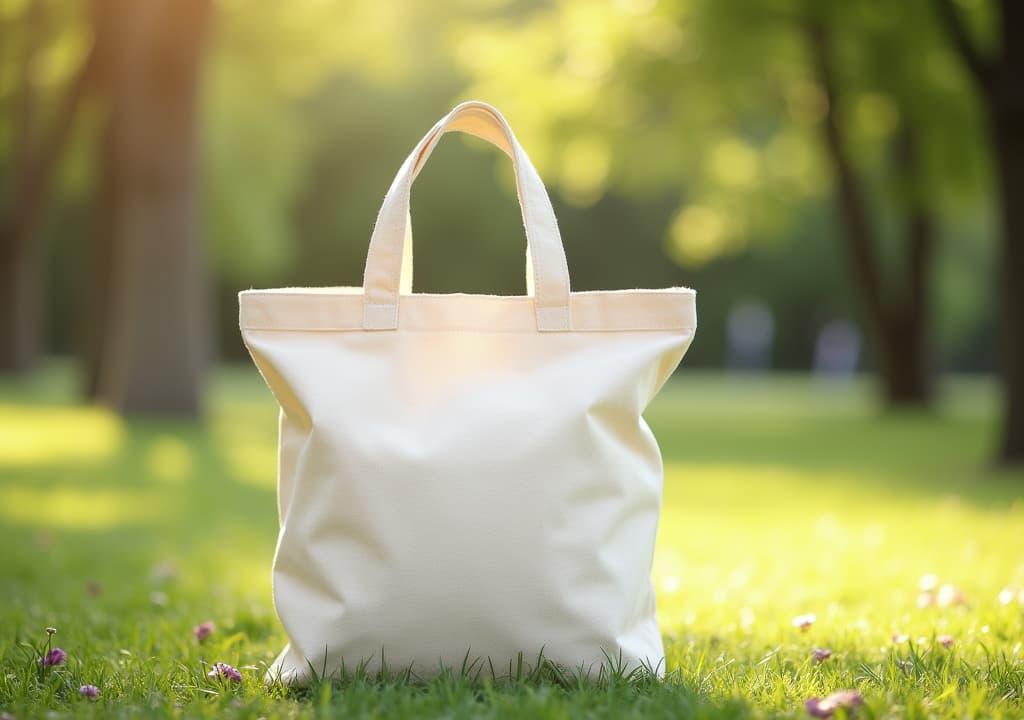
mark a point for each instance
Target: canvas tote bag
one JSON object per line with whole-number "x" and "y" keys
{"x": 465, "y": 480}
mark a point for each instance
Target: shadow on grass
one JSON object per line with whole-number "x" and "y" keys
{"x": 543, "y": 693}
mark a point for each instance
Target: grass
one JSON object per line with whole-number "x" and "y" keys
{"x": 782, "y": 497}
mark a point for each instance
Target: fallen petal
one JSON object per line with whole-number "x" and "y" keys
{"x": 805, "y": 621}
{"x": 816, "y": 707}
{"x": 204, "y": 630}
{"x": 821, "y": 654}
{"x": 949, "y": 595}
{"x": 845, "y": 698}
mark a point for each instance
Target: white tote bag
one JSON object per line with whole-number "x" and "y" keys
{"x": 466, "y": 480}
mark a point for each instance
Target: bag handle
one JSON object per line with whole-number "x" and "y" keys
{"x": 391, "y": 238}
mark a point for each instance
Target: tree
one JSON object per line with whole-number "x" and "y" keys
{"x": 753, "y": 126}
{"x": 997, "y": 78}
{"x": 898, "y": 313}
{"x": 149, "y": 313}
{"x": 34, "y": 162}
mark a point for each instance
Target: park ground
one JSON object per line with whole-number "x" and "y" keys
{"x": 783, "y": 497}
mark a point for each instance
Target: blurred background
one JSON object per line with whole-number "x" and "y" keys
{"x": 843, "y": 183}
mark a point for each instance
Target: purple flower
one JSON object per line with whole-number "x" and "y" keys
{"x": 53, "y": 657}
{"x": 89, "y": 691}
{"x": 821, "y": 654}
{"x": 204, "y": 630}
{"x": 848, "y": 699}
{"x": 816, "y": 707}
{"x": 223, "y": 670}
{"x": 804, "y": 622}
{"x": 945, "y": 641}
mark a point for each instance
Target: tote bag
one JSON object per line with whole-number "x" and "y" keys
{"x": 465, "y": 481}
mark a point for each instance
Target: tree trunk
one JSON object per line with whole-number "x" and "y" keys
{"x": 96, "y": 309}
{"x": 95, "y": 314}
{"x": 19, "y": 298}
{"x": 153, "y": 352}
{"x": 19, "y": 305}
{"x": 37, "y": 159}
{"x": 906, "y": 359}
{"x": 907, "y": 350}
{"x": 1006, "y": 113}
{"x": 898, "y": 320}
{"x": 998, "y": 82}
{"x": 1009, "y": 145}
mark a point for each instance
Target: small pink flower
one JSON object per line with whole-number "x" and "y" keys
{"x": 925, "y": 600}
{"x": 89, "y": 691}
{"x": 804, "y": 622}
{"x": 225, "y": 671}
{"x": 900, "y": 638}
{"x": 821, "y": 654}
{"x": 204, "y": 630}
{"x": 53, "y": 657}
{"x": 847, "y": 699}
{"x": 945, "y": 641}
{"x": 950, "y": 595}
{"x": 816, "y": 707}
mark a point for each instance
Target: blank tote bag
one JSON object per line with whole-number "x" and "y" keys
{"x": 466, "y": 480}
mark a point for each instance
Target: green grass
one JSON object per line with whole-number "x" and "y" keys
{"x": 782, "y": 497}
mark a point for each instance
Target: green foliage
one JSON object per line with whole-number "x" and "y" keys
{"x": 681, "y": 141}
{"x": 721, "y": 102}
{"x": 781, "y": 498}
{"x": 253, "y": 165}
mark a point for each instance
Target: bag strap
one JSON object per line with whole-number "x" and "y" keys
{"x": 391, "y": 239}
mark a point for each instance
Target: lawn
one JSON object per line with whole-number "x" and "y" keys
{"x": 783, "y": 497}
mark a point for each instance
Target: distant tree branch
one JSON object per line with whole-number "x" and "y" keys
{"x": 920, "y": 229}
{"x": 25, "y": 101}
{"x": 37, "y": 177}
{"x": 979, "y": 67}
{"x": 856, "y": 224}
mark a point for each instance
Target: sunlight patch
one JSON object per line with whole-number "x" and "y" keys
{"x": 76, "y": 509}
{"x": 169, "y": 459}
{"x": 252, "y": 463}
{"x": 47, "y": 435}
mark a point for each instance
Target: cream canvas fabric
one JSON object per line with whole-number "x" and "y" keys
{"x": 465, "y": 476}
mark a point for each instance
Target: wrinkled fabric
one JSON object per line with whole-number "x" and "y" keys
{"x": 465, "y": 478}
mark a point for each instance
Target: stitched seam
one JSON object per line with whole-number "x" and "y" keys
{"x": 475, "y": 331}
{"x": 451, "y": 296}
